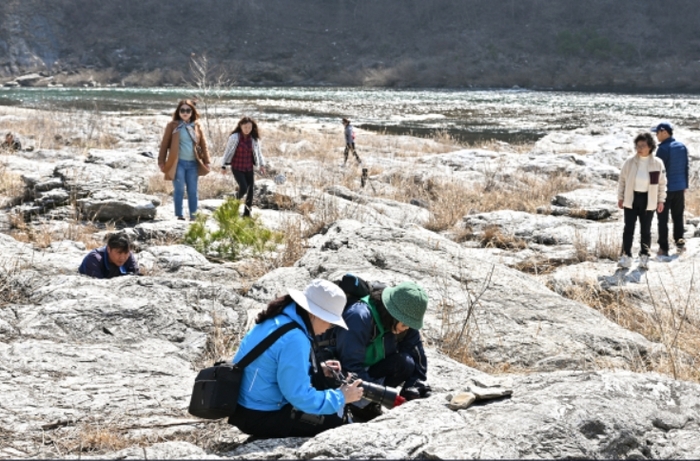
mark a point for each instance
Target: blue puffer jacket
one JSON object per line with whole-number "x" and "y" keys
{"x": 675, "y": 157}
{"x": 281, "y": 374}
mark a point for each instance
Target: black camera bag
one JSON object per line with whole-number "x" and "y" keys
{"x": 215, "y": 393}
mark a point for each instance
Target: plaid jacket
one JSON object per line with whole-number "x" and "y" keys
{"x": 230, "y": 151}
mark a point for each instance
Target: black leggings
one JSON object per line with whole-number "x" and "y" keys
{"x": 246, "y": 185}
{"x": 351, "y": 148}
{"x": 638, "y": 211}
{"x": 286, "y": 422}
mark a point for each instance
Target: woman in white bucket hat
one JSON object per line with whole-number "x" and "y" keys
{"x": 277, "y": 398}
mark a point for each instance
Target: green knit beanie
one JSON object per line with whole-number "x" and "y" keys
{"x": 407, "y": 303}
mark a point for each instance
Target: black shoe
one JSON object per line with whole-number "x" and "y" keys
{"x": 180, "y": 218}
{"x": 680, "y": 246}
{"x": 367, "y": 413}
{"x": 419, "y": 390}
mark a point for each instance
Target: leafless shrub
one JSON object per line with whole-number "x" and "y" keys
{"x": 459, "y": 324}
{"x": 211, "y": 84}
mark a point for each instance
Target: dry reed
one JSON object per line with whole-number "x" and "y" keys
{"x": 673, "y": 322}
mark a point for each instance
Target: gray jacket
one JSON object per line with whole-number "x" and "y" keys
{"x": 349, "y": 135}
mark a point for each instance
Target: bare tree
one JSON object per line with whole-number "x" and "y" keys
{"x": 211, "y": 85}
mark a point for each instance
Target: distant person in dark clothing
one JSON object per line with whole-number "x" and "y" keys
{"x": 674, "y": 154}
{"x": 350, "y": 141}
{"x": 112, "y": 260}
{"x": 11, "y": 142}
{"x": 243, "y": 153}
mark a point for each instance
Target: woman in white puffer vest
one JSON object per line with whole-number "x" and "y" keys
{"x": 641, "y": 190}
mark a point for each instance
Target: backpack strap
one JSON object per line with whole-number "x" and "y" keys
{"x": 266, "y": 343}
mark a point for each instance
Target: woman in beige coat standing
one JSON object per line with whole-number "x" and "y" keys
{"x": 183, "y": 156}
{"x": 641, "y": 190}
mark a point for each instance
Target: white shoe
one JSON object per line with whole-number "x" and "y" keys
{"x": 644, "y": 262}
{"x": 625, "y": 261}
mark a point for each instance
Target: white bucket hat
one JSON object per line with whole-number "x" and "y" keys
{"x": 324, "y": 299}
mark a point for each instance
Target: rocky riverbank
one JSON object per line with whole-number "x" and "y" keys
{"x": 516, "y": 246}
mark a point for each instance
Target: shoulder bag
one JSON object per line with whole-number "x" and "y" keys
{"x": 216, "y": 389}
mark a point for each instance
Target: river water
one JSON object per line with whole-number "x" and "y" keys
{"x": 469, "y": 115}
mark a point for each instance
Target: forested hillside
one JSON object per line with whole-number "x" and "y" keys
{"x": 622, "y": 45}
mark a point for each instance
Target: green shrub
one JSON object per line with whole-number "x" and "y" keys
{"x": 234, "y": 234}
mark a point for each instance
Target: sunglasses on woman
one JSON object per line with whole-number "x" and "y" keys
{"x": 185, "y": 110}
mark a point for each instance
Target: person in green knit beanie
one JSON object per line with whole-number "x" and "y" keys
{"x": 382, "y": 343}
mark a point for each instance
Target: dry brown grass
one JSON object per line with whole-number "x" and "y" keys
{"x": 498, "y": 146}
{"x": 295, "y": 244}
{"x": 450, "y": 200}
{"x": 48, "y": 130}
{"x": 222, "y": 342}
{"x": 157, "y": 185}
{"x": 538, "y": 266}
{"x": 297, "y": 144}
{"x": 215, "y": 185}
{"x": 692, "y": 201}
{"x": 493, "y": 237}
{"x": 608, "y": 246}
{"x": 11, "y": 184}
{"x": 41, "y": 235}
{"x": 675, "y": 325}
{"x": 212, "y": 186}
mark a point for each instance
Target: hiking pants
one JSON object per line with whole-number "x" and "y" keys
{"x": 246, "y": 186}
{"x": 286, "y": 422}
{"x": 675, "y": 205}
{"x": 407, "y": 365}
{"x": 351, "y": 147}
{"x": 637, "y": 212}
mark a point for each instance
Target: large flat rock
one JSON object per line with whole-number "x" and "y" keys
{"x": 514, "y": 320}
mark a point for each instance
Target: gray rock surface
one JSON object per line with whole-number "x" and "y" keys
{"x": 517, "y": 321}
{"x": 119, "y": 206}
{"x": 589, "y": 203}
{"x": 564, "y": 414}
{"x": 82, "y": 358}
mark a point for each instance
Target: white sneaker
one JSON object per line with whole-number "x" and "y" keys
{"x": 644, "y": 262}
{"x": 625, "y": 261}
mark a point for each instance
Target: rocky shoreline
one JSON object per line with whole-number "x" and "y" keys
{"x": 104, "y": 368}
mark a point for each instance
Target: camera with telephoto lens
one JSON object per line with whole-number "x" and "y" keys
{"x": 383, "y": 395}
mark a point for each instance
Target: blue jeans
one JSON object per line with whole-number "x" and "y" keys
{"x": 186, "y": 175}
